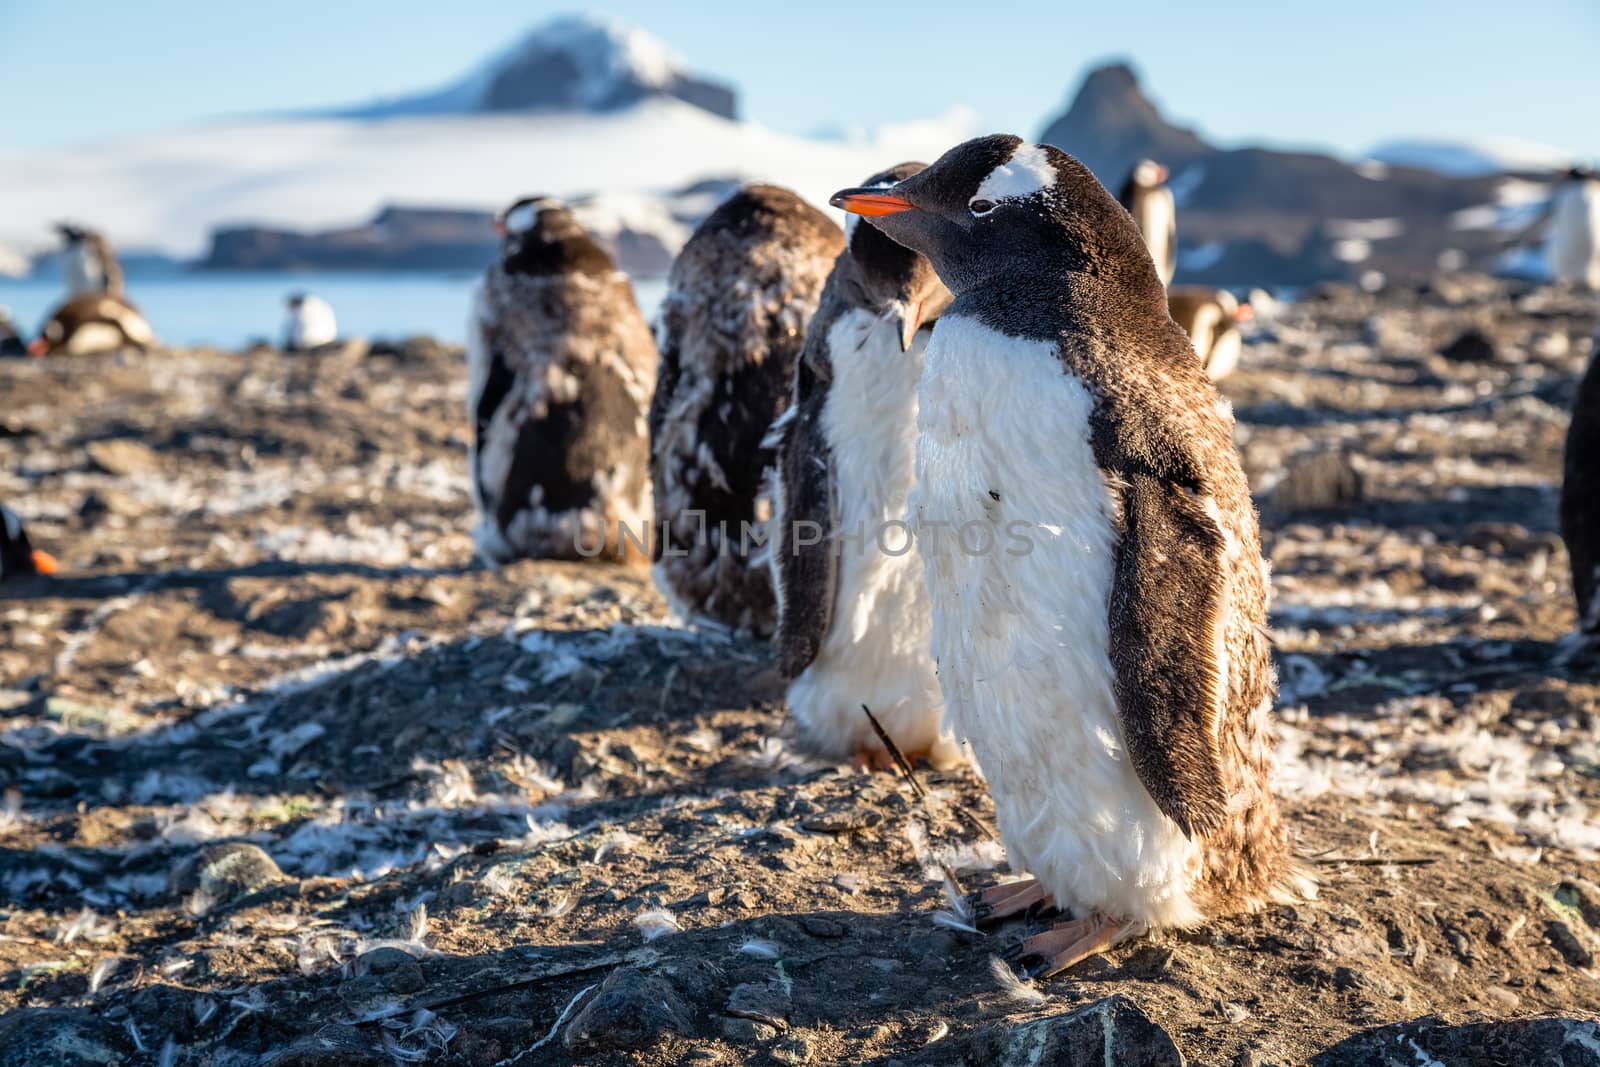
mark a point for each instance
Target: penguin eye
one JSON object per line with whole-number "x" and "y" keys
{"x": 981, "y": 208}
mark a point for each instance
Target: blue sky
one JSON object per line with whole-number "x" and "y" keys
{"x": 1343, "y": 75}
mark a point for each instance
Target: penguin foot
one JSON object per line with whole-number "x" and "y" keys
{"x": 1065, "y": 944}
{"x": 999, "y": 902}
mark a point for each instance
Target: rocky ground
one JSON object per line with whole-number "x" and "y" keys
{"x": 288, "y": 780}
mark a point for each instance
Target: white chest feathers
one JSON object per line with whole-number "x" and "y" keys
{"x": 1015, "y": 521}
{"x": 1157, "y": 213}
{"x": 876, "y": 651}
{"x": 85, "y": 273}
{"x": 311, "y": 324}
{"x": 1573, "y": 248}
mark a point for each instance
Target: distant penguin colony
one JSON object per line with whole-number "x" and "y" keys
{"x": 310, "y": 323}
{"x": 1155, "y": 210}
{"x": 1572, "y": 246}
{"x": 560, "y": 363}
{"x": 18, "y": 557}
{"x": 1128, "y": 750}
{"x": 853, "y": 615}
{"x": 88, "y": 260}
{"x": 91, "y": 324}
{"x": 1580, "y": 496}
{"x": 739, "y": 298}
{"x": 1211, "y": 318}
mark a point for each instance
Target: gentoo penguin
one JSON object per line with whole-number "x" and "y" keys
{"x": 739, "y": 297}
{"x": 1580, "y": 496}
{"x": 1151, "y": 203}
{"x": 90, "y": 264}
{"x": 1211, "y": 318}
{"x": 559, "y": 364}
{"x": 17, "y": 556}
{"x": 1572, "y": 244}
{"x": 98, "y": 322}
{"x": 310, "y": 323}
{"x": 853, "y": 615}
{"x": 1099, "y": 596}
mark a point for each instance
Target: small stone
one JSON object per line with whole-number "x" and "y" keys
{"x": 748, "y": 900}
{"x": 821, "y": 926}
{"x": 1441, "y": 968}
{"x": 335, "y": 1045}
{"x": 847, "y": 882}
{"x": 764, "y": 1002}
{"x": 1502, "y": 998}
{"x": 932, "y": 946}
{"x": 1320, "y": 481}
{"x": 792, "y": 1050}
{"x": 224, "y": 873}
{"x": 745, "y": 1031}
{"x": 1235, "y": 1013}
{"x": 1575, "y": 952}
{"x": 1113, "y": 1030}
{"x": 632, "y": 1010}
{"x": 122, "y": 456}
{"x": 396, "y": 968}
{"x": 1470, "y": 346}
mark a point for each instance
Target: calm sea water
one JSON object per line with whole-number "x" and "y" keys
{"x": 231, "y": 310}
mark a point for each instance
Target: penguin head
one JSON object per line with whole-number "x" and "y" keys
{"x": 997, "y": 209}
{"x": 71, "y": 233}
{"x": 539, "y": 235}
{"x": 294, "y": 301}
{"x": 889, "y": 278}
{"x": 1148, "y": 174}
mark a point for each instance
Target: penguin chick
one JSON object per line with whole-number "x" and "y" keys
{"x": 559, "y": 364}
{"x": 853, "y": 617}
{"x": 739, "y": 297}
{"x": 1112, "y": 675}
{"x": 91, "y": 324}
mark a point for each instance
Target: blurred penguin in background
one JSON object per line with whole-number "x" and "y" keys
{"x": 1211, "y": 318}
{"x": 18, "y": 557}
{"x": 1572, "y": 244}
{"x": 310, "y": 323}
{"x": 92, "y": 324}
{"x": 89, "y": 262}
{"x": 1148, "y": 199}
{"x": 11, "y": 343}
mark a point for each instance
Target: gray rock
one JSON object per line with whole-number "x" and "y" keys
{"x": 122, "y": 456}
{"x": 1319, "y": 482}
{"x": 395, "y": 969}
{"x": 745, "y": 1031}
{"x": 1568, "y": 1042}
{"x": 224, "y": 873}
{"x": 632, "y": 1010}
{"x": 57, "y": 1037}
{"x": 1113, "y": 1030}
{"x": 764, "y": 1002}
{"x": 335, "y": 1045}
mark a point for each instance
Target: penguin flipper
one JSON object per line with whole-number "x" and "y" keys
{"x": 1167, "y": 614}
{"x": 805, "y": 563}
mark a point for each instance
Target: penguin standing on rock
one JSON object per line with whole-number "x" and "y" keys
{"x": 17, "y": 556}
{"x": 739, "y": 297}
{"x": 90, "y": 264}
{"x": 853, "y": 617}
{"x": 310, "y": 323}
{"x": 1099, "y": 595}
{"x": 91, "y": 324}
{"x": 1148, "y": 199}
{"x": 559, "y": 365}
{"x": 1580, "y": 497}
{"x": 1211, "y": 318}
{"x": 1572, "y": 245}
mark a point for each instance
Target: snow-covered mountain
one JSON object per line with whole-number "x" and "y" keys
{"x": 1471, "y": 159}
{"x": 572, "y": 63}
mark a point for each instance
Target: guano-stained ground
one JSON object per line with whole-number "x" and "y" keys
{"x": 484, "y": 793}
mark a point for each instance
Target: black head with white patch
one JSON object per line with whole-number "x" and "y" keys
{"x": 997, "y": 210}
{"x": 889, "y": 278}
{"x": 71, "y": 233}
{"x": 539, "y": 235}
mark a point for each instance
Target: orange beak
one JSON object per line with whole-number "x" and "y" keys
{"x": 500, "y": 227}
{"x": 1244, "y": 314}
{"x": 1161, "y": 174}
{"x": 44, "y": 562}
{"x": 872, "y": 202}
{"x": 37, "y": 347}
